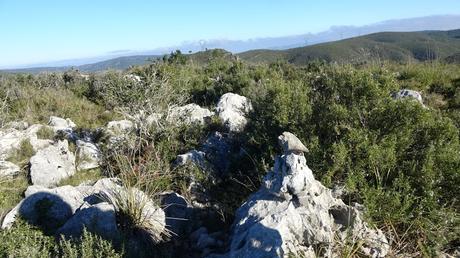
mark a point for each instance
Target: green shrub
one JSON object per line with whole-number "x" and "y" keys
{"x": 24, "y": 240}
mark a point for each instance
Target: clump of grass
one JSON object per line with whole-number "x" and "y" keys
{"x": 45, "y": 132}
{"x": 90, "y": 175}
{"x": 22, "y": 155}
{"x": 136, "y": 214}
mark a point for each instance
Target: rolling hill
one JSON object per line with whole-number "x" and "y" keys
{"x": 392, "y": 46}
{"x": 119, "y": 63}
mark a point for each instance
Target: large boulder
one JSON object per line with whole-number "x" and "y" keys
{"x": 87, "y": 155}
{"x": 190, "y": 113}
{"x": 48, "y": 208}
{"x": 232, "y": 110}
{"x": 294, "y": 214}
{"x": 11, "y": 139}
{"x": 52, "y": 164}
{"x": 98, "y": 218}
{"x": 8, "y": 169}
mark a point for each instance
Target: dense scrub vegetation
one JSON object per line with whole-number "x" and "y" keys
{"x": 398, "y": 158}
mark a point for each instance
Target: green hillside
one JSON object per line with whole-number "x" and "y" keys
{"x": 392, "y": 46}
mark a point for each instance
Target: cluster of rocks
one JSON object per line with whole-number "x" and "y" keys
{"x": 292, "y": 214}
{"x": 214, "y": 154}
{"x": 68, "y": 210}
{"x": 52, "y": 161}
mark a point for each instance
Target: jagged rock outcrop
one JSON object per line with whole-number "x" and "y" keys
{"x": 87, "y": 155}
{"x": 294, "y": 214}
{"x": 405, "y": 93}
{"x": 8, "y": 169}
{"x": 190, "y": 113}
{"x": 49, "y": 208}
{"x": 232, "y": 110}
{"x": 194, "y": 156}
{"x": 52, "y": 164}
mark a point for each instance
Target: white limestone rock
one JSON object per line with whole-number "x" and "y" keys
{"x": 190, "y": 113}
{"x": 408, "y": 94}
{"x": 11, "y": 139}
{"x": 8, "y": 169}
{"x": 46, "y": 207}
{"x": 52, "y": 164}
{"x": 232, "y": 110}
{"x": 61, "y": 124}
{"x": 98, "y": 218}
{"x": 87, "y": 155}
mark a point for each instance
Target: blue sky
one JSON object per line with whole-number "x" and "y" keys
{"x": 34, "y": 31}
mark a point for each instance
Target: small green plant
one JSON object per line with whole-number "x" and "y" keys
{"x": 26, "y": 241}
{"x": 87, "y": 246}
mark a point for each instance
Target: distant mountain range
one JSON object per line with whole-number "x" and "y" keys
{"x": 440, "y": 22}
{"x": 392, "y": 46}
